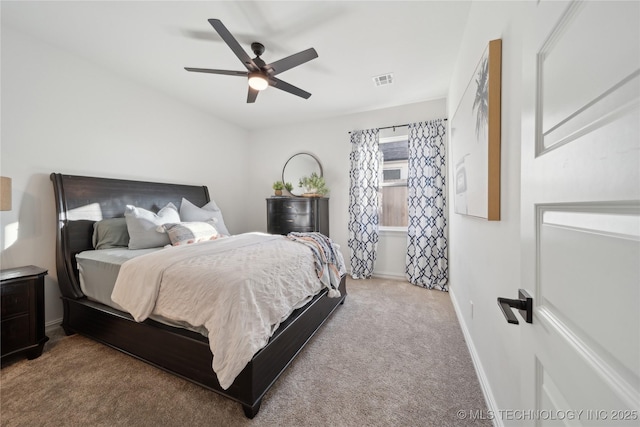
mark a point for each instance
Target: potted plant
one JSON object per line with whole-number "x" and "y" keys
{"x": 314, "y": 185}
{"x": 288, "y": 186}
{"x": 278, "y": 186}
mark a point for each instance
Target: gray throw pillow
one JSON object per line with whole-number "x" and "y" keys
{"x": 190, "y": 212}
{"x": 110, "y": 233}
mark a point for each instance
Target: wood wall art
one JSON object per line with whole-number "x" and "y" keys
{"x": 475, "y": 139}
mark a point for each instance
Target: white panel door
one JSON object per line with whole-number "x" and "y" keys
{"x": 581, "y": 214}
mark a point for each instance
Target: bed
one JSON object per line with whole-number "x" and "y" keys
{"x": 80, "y": 202}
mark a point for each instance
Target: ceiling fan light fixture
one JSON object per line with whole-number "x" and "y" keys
{"x": 257, "y": 81}
{"x": 260, "y": 75}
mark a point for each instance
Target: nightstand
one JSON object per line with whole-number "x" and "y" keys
{"x": 22, "y": 295}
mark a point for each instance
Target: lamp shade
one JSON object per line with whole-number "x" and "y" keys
{"x": 5, "y": 193}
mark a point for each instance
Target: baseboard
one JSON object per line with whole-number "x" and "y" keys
{"x": 385, "y": 275}
{"x": 482, "y": 377}
{"x": 52, "y": 324}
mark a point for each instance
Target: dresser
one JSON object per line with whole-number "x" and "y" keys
{"x": 302, "y": 214}
{"x": 22, "y": 297}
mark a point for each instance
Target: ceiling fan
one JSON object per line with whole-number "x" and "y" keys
{"x": 260, "y": 74}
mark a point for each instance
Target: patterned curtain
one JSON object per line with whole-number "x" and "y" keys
{"x": 426, "y": 261}
{"x": 363, "y": 202}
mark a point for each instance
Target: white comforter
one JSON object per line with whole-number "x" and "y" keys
{"x": 239, "y": 288}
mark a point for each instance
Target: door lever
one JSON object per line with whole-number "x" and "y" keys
{"x": 524, "y": 304}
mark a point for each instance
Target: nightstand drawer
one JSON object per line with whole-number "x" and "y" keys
{"x": 15, "y": 333}
{"x": 22, "y": 327}
{"x": 15, "y": 299}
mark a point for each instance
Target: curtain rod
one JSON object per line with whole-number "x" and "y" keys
{"x": 398, "y": 126}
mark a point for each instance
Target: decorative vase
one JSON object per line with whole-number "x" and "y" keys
{"x": 278, "y": 192}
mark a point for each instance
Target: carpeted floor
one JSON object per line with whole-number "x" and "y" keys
{"x": 392, "y": 355}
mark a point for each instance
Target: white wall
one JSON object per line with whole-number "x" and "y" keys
{"x": 485, "y": 256}
{"x": 329, "y": 140}
{"x": 63, "y": 114}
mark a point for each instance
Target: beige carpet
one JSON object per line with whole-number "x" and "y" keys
{"x": 392, "y": 355}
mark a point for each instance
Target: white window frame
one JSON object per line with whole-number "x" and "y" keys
{"x": 383, "y": 229}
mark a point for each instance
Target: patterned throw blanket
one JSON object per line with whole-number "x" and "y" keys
{"x": 328, "y": 259}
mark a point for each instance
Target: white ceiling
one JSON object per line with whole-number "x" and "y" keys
{"x": 151, "y": 41}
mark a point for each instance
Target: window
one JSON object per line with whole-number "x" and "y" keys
{"x": 393, "y": 194}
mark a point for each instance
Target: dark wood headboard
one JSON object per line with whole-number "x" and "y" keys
{"x": 82, "y": 200}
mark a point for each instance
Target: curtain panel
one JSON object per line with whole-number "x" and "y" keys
{"x": 427, "y": 233}
{"x": 363, "y": 201}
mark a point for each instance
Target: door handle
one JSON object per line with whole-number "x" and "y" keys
{"x": 524, "y": 304}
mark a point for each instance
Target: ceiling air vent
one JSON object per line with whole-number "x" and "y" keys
{"x": 383, "y": 80}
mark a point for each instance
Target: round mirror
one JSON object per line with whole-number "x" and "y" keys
{"x": 299, "y": 165}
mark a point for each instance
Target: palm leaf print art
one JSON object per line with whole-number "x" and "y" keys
{"x": 481, "y": 102}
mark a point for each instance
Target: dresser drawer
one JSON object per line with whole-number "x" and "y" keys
{"x": 290, "y": 207}
{"x": 15, "y": 299}
{"x": 296, "y": 221}
{"x": 286, "y": 227}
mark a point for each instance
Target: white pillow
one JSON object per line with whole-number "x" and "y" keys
{"x": 142, "y": 224}
{"x": 185, "y": 233}
{"x": 208, "y": 213}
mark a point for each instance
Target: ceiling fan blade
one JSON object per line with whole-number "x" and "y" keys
{"x": 287, "y": 87}
{"x": 294, "y": 60}
{"x": 200, "y": 35}
{"x": 244, "y": 39}
{"x": 225, "y": 72}
{"x": 233, "y": 44}
{"x": 252, "y": 95}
